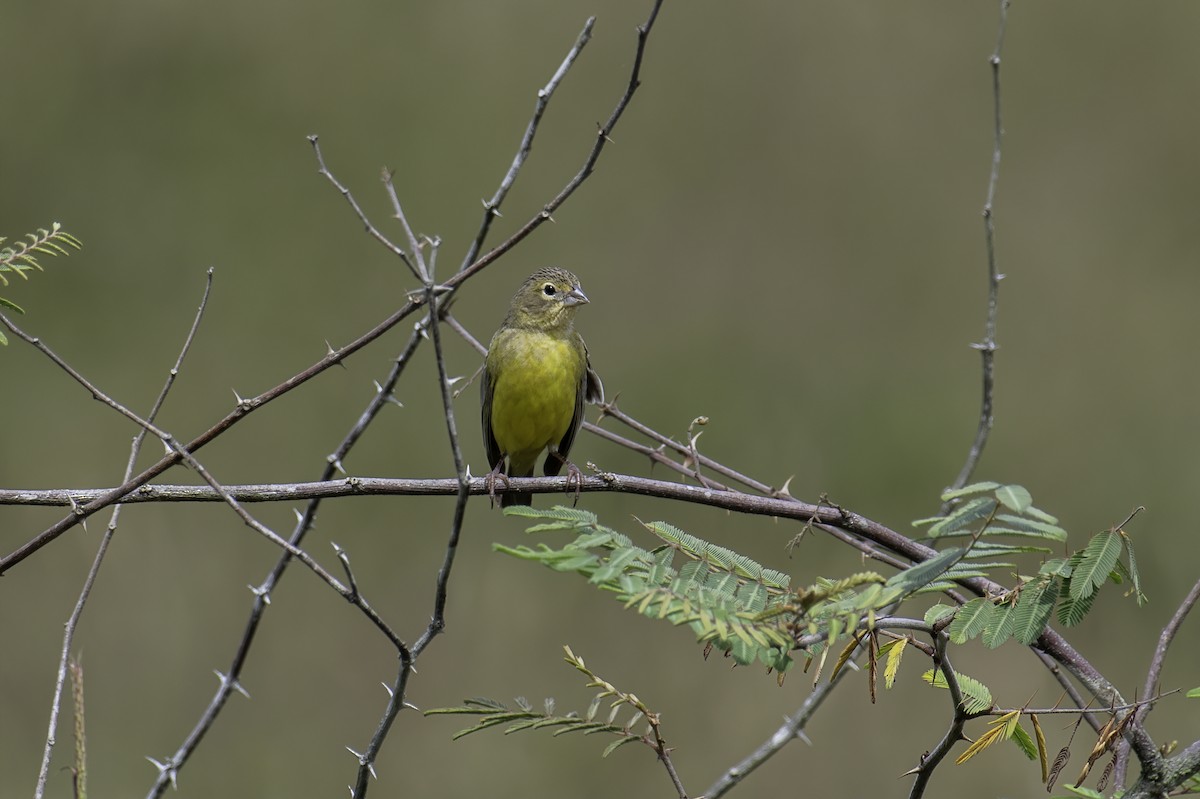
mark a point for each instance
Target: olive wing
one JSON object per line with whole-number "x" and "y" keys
{"x": 486, "y": 389}
{"x": 590, "y": 389}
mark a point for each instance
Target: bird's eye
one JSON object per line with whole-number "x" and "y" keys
{"x": 549, "y": 290}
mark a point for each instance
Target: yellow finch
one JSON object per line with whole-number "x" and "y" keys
{"x": 535, "y": 380}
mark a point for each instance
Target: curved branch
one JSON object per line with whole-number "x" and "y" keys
{"x": 1155, "y": 671}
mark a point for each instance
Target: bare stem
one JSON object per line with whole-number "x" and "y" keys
{"x": 987, "y": 348}
{"x": 262, "y": 592}
{"x": 94, "y": 572}
{"x": 1154, "y": 674}
{"x": 491, "y": 208}
{"x": 954, "y": 733}
{"x": 792, "y": 728}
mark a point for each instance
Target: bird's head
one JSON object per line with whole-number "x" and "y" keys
{"x": 547, "y": 300}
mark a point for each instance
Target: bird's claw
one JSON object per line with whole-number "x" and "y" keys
{"x": 490, "y": 481}
{"x": 574, "y": 477}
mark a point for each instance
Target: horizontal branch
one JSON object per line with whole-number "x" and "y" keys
{"x": 1050, "y": 642}
{"x": 781, "y": 507}
{"x": 447, "y": 486}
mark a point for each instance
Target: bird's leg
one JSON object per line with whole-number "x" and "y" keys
{"x": 490, "y": 481}
{"x": 574, "y": 476}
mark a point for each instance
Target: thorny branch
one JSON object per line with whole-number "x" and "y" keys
{"x": 987, "y": 348}
{"x": 875, "y": 539}
{"x": 262, "y": 592}
{"x": 491, "y": 208}
{"x": 94, "y": 572}
{"x": 437, "y": 297}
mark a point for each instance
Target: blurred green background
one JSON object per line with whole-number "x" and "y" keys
{"x": 785, "y": 237}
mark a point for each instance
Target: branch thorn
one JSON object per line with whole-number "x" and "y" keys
{"x": 234, "y": 684}
{"x": 166, "y": 767}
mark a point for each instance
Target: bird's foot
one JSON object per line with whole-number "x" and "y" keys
{"x": 574, "y": 477}
{"x": 490, "y": 481}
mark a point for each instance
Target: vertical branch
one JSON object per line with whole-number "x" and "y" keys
{"x": 80, "y": 768}
{"x": 437, "y": 623}
{"x": 432, "y": 297}
{"x": 94, "y": 571}
{"x": 955, "y": 732}
{"x": 987, "y": 348}
{"x": 396, "y": 694}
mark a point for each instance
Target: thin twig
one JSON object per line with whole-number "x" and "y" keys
{"x": 1077, "y": 698}
{"x": 75, "y": 375}
{"x": 351, "y": 595}
{"x": 602, "y": 138}
{"x": 1167, "y": 637}
{"x": 437, "y": 622}
{"x": 655, "y": 454}
{"x": 243, "y": 408}
{"x": 954, "y": 733}
{"x": 792, "y": 728}
{"x": 190, "y": 459}
{"x": 362, "y": 217}
{"x": 664, "y": 756}
{"x": 105, "y": 540}
{"x": 1075, "y": 711}
{"x": 417, "y": 263}
{"x": 262, "y": 593}
{"x": 987, "y": 348}
{"x": 396, "y": 695}
{"x": 491, "y": 208}
{"x": 611, "y": 410}
{"x": 1154, "y": 673}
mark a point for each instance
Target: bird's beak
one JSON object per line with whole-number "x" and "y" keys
{"x": 575, "y": 297}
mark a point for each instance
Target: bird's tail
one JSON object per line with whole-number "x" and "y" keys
{"x": 515, "y": 498}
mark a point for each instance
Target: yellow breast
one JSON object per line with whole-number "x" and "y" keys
{"x": 535, "y": 380}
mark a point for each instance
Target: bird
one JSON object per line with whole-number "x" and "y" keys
{"x": 536, "y": 377}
